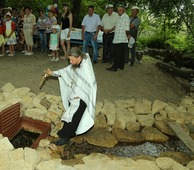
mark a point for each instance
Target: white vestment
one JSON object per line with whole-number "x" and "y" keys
{"x": 75, "y": 84}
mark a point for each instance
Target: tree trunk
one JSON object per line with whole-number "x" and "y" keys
{"x": 76, "y": 12}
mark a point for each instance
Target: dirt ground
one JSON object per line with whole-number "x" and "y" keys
{"x": 143, "y": 80}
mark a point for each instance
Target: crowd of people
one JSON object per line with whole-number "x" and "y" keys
{"x": 17, "y": 29}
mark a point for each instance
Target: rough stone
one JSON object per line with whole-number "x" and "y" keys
{"x": 100, "y": 122}
{"x": 52, "y": 116}
{"x": 181, "y": 109}
{"x": 190, "y": 165}
{"x": 5, "y": 145}
{"x": 177, "y": 166}
{"x": 131, "y": 103}
{"x": 45, "y": 103}
{"x": 44, "y": 143}
{"x": 163, "y": 127}
{"x": 38, "y": 114}
{"x": 27, "y": 102}
{"x": 53, "y": 164}
{"x": 32, "y": 158}
{"x": 121, "y": 104}
{"x": 53, "y": 99}
{"x": 174, "y": 115}
{"x": 154, "y": 135}
{"x": 162, "y": 115}
{"x": 109, "y": 111}
{"x": 146, "y": 120}
{"x": 145, "y": 165}
{"x": 36, "y": 102}
{"x": 157, "y": 106}
{"x": 180, "y": 157}
{"x": 2, "y": 97}
{"x": 101, "y": 137}
{"x": 99, "y": 106}
{"x": 8, "y": 88}
{"x": 165, "y": 163}
{"x": 133, "y": 126}
{"x": 143, "y": 108}
{"x": 17, "y": 154}
{"x": 44, "y": 155}
{"x": 23, "y": 91}
{"x": 125, "y": 136}
{"x": 187, "y": 101}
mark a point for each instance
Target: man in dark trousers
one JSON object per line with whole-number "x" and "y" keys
{"x": 120, "y": 40}
{"x": 108, "y": 24}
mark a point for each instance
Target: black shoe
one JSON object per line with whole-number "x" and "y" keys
{"x": 111, "y": 69}
{"x": 61, "y": 141}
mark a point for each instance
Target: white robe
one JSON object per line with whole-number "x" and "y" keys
{"x": 78, "y": 82}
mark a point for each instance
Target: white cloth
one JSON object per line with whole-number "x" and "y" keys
{"x": 131, "y": 42}
{"x": 78, "y": 82}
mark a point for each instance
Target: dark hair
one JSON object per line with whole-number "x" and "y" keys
{"x": 91, "y": 6}
{"x": 66, "y": 4}
{"x": 68, "y": 11}
{"x": 27, "y": 7}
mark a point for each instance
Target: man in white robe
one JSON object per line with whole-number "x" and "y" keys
{"x": 78, "y": 90}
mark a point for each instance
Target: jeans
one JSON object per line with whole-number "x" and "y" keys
{"x": 88, "y": 37}
{"x": 43, "y": 43}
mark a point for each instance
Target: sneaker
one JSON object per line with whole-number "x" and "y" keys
{"x": 10, "y": 55}
{"x": 1, "y": 55}
{"x": 53, "y": 59}
{"x": 30, "y": 53}
{"x": 26, "y": 53}
{"x": 7, "y": 51}
{"x": 57, "y": 59}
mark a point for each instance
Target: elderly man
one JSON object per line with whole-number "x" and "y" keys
{"x": 108, "y": 24}
{"x": 120, "y": 40}
{"x": 90, "y": 29}
{"x": 134, "y": 27}
{"x": 78, "y": 90}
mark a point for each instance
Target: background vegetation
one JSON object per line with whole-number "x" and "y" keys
{"x": 164, "y": 23}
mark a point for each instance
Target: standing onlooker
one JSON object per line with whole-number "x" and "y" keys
{"x": 10, "y": 37}
{"x": 51, "y": 21}
{"x": 21, "y": 42}
{"x": 134, "y": 26}
{"x": 28, "y": 28}
{"x": 66, "y": 24}
{"x": 41, "y": 26}
{"x": 54, "y": 43}
{"x": 15, "y": 18}
{"x": 108, "y": 24}
{"x": 2, "y": 40}
{"x": 120, "y": 40}
{"x": 90, "y": 29}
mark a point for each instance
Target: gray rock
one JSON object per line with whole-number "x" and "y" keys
{"x": 157, "y": 106}
{"x": 100, "y": 122}
{"x": 45, "y": 103}
{"x": 7, "y": 88}
{"x": 146, "y": 120}
{"x": 133, "y": 126}
{"x": 163, "y": 127}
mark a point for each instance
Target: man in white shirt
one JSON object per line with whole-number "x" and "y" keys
{"x": 120, "y": 40}
{"x": 90, "y": 29}
{"x": 108, "y": 24}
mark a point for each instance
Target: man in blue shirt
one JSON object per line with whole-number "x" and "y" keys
{"x": 90, "y": 28}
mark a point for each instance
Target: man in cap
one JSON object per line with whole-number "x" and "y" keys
{"x": 134, "y": 27}
{"x": 108, "y": 24}
{"x": 120, "y": 40}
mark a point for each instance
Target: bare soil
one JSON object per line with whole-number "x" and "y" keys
{"x": 144, "y": 81}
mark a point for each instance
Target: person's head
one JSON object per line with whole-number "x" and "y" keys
{"x": 50, "y": 13}
{"x": 109, "y": 9}
{"x": 134, "y": 11}
{"x": 8, "y": 16}
{"x": 22, "y": 13}
{"x": 66, "y": 9}
{"x": 41, "y": 13}
{"x": 14, "y": 12}
{"x": 75, "y": 56}
{"x": 90, "y": 10}
{"x": 54, "y": 30}
{"x": 27, "y": 10}
{"x": 121, "y": 10}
